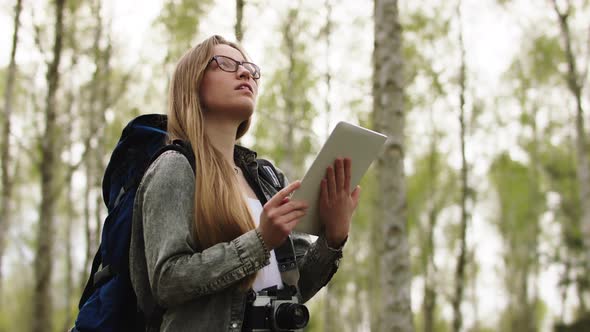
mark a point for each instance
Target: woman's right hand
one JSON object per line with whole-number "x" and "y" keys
{"x": 280, "y": 215}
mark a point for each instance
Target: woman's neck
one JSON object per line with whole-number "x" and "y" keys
{"x": 223, "y": 137}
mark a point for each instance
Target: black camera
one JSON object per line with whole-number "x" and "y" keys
{"x": 275, "y": 309}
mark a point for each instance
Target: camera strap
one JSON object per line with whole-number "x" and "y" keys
{"x": 285, "y": 255}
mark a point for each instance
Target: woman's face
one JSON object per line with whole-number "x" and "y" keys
{"x": 228, "y": 94}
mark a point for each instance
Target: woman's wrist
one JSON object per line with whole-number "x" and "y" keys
{"x": 336, "y": 242}
{"x": 261, "y": 238}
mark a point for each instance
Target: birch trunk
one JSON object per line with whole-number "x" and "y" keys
{"x": 575, "y": 85}
{"x": 429, "y": 303}
{"x": 288, "y": 164}
{"x": 70, "y": 216}
{"x": 70, "y": 198}
{"x": 331, "y": 304}
{"x": 92, "y": 166}
{"x": 104, "y": 104}
{"x": 42, "y": 304}
{"x": 429, "y": 300}
{"x": 388, "y": 108}
{"x": 7, "y": 182}
{"x": 239, "y": 28}
{"x": 461, "y": 259}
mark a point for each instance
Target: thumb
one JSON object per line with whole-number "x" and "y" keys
{"x": 356, "y": 194}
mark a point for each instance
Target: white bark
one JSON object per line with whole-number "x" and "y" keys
{"x": 239, "y": 27}
{"x": 388, "y": 84}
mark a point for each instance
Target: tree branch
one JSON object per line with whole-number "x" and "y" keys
{"x": 584, "y": 75}
{"x": 37, "y": 34}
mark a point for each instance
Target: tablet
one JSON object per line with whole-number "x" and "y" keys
{"x": 359, "y": 144}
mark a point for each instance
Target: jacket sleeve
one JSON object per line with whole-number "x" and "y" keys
{"x": 177, "y": 271}
{"x": 317, "y": 262}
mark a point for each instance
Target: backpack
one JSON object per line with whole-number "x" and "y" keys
{"x": 108, "y": 303}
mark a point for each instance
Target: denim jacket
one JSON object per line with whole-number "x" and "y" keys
{"x": 198, "y": 289}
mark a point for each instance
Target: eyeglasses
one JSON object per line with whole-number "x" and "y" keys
{"x": 230, "y": 65}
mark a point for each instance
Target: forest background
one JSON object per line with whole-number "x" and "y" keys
{"x": 476, "y": 217}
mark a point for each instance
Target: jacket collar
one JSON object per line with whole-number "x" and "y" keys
{"x": 245, "y": 154}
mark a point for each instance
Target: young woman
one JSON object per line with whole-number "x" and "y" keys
{"x": 201, "y": 243}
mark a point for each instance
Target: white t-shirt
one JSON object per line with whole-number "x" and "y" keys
{"x": 269, "y": 275}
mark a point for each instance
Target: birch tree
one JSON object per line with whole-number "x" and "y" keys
{"x": 239, "y": 27}
{"x": 98, "y": 102}
{"x": 6, "y": 158}
{"x": 463, "y": 250}
{"x": 575, "y": 80}
{"x": 72, "y": 102}
{"x": 333, "y": 288}
{"x": 431, "y": 188}
{"x": 42, "y": 304}
{"x": 388, "y": 118}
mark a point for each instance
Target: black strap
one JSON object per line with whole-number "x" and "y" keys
{"x": 89, "y": 288}
{"x": 103, "y": 275}
{"x": 180, "y": 146}
{"x": 154, "y": 319}
{"x": 285, "y": 255}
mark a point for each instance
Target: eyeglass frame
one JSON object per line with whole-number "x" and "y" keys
{"x": 238, "y": 64}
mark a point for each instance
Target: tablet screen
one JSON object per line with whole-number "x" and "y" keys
{"x": 359, "y": 144}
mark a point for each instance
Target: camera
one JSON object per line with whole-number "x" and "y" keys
{"x": 275, "y": 309}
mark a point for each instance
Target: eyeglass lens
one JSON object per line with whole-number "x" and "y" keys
{"x": 232, "y": 65}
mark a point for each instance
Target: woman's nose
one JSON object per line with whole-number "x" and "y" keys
{"x": 243, "y": 72}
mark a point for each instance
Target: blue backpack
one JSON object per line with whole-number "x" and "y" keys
{"x": 108, "y": 303}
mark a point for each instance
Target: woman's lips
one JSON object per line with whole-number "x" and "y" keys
{"x": 245, "y": 86}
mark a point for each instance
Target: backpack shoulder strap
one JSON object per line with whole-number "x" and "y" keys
{"x": 153, "y": 319}
{"x": 180, "y": 146}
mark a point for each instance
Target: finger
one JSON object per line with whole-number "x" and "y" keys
{"x": 324, "y": 192}
{"x": 339, "y": 174}
{"x": 292, "y": 217}
{"x": 331, "y": 182}
{"x": 291, "y": 206}
{"x": 284, "y": 193}
{"x": 287, "y": 223}
{"x": 356, "y": 194}
{"x": 290, "y": 226}
{"x": 347, "y": 173}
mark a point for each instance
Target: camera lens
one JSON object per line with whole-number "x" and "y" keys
{"x": 291, "y": 316}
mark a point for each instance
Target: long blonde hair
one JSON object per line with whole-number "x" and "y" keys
{"x": 221, "y": 213}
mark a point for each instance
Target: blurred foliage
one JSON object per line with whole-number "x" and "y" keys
{"x": 287, "y": 103}
{"x": 517, "y": 220}
{"x": 528, "y": 186}
{"x": 181, "y": 19}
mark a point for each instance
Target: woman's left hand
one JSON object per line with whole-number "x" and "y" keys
{"x": 337, "y": 203}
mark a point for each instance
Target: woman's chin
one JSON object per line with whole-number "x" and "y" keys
{"x": 244, "y": 109}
